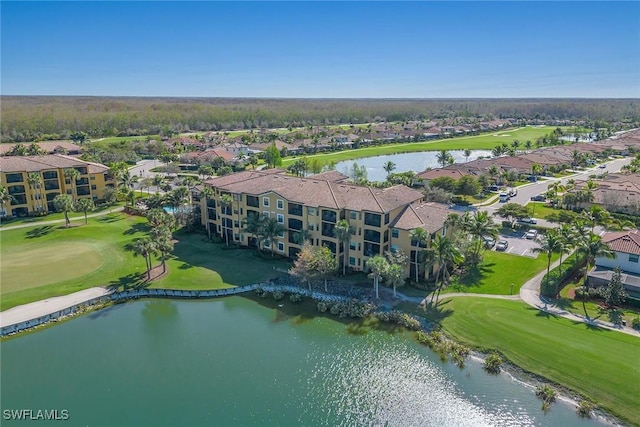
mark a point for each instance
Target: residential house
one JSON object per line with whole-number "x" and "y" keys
{"x": 31, "y": 199}
{"x": 626, "y": 247}
{"x": 49, "y": 147}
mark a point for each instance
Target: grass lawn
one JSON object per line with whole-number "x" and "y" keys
{"x": 597, "y": 363}
{"x": 567, "y": 302}
{"x": 540, "y": 210}
{"x": 113, "y": 139}
{"x": 44, "y": 261}
{"x": 73, "y": 216}
{"x": 477, "y": 142}
{"x": 498, "y": 272}
{"x": 200, "y": 264}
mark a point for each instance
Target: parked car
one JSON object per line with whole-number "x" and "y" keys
{"x": 494, "y": 188}
{"x": 602, "y": 166}
{"x": 504, "y": 197}
{"x": 489, "y": 242}
{"x": 538, "y": 198}
{"x": 529, "y": 220}
{"x": 531, "y": 234}
{"x": 502, "y": 245}
{"x": 513, "y": 192}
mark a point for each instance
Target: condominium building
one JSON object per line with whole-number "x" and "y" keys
{"x": 35, "y": 181}
{"x": 382, "y": 218}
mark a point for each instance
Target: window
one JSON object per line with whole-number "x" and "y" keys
{"x": 352, "y": 246}
{"x": 280, "y": 247}
{"x": 50, "y": 175}
{"x": 394, "y": 233}
{"x": 372, "y": 219}
{"x": 265, "y": 202}
{"x": 295, "y": 224}
{"x": 294, "y": 209}
{"x": 386, "y": 218}
{"x": 327, "y": 229}
{"x": 329, "y": 216}
{"x": 280, "y": 204}
{"x": 267, "y": 245}
{"x": 311, "y": 227}
{"x": 633, "y": 258}
{"x": 280, "y": 218}
{"x": 281, "y": 234}
{"x": 94, "y": 187}
{"x": 312, "y": 211}
{"x": 14, "y": 177}
{"x": 352, "y": 260}
{"x": 353, "y": 214}
{"x": 93, "y": 177}
{"x": 236, "y": 237}
{"x": 253, "y": 201}
{"x": 386, "y": 235}
{"x": 372, "y": 236}
{"x": 265, "y": 214}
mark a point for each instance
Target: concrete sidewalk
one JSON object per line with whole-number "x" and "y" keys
{"x": 26, "y": 312}
{"x": 530, "y": 294}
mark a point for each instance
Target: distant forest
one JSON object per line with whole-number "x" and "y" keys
{"x": 28, "y": 118}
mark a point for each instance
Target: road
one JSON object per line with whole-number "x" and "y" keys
{"x": 525, "y": 192}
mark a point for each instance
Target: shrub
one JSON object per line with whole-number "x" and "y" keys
{"x": 400, "y": 318}
{"x": 277, "y": 295}
{"x": 547, "y": 394}
{"x": 323, "y": 306}
{"x": 295, "y": 297}
{"x": 492, "y": 363}
{"x": 570, "y": 266}
{"x": 585, "y": 408}
{"x": 635, "y": 323}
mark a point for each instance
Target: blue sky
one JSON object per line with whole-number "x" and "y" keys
{"x": 321, "y": 49}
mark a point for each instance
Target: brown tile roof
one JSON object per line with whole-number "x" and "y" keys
{"x": 623, "y": 241}
{"x": 48, "y": 146}
{"x": 38, "y": 163}
{"x": 333, "y": 176}
{"x": 430, "y": 216}
{"x": 441, "y": 172}
{"x": 317, "y": 192}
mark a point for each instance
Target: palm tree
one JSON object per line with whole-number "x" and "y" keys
{"x": 480, "y": 224}
{"x": 445, "y": 254}
{"x": 156, "y": 181}
{"x": 418, "y": 237}
{"x": 145, "y": 247}
{"x": 225, "y": 203}
{"x": 146, "y": 182}
{"x": 394, "y": 276}
{"x": 493, "y": 173}
{"x": 444, "y": 158}
{"x": 378, "y": 266}
{"x": 389, "y": 167}
{"x": 596, "y": 215}
{"x": 269, "y": 230}
{"x": 536, "y": 169}
{"x": 592, "y": 246}
{"x": 163, "y": 241}
{"x": 35, "y": 182}
{"x": 343, "y": 232}
{"x": 467, "y": 154}
{"x": 85, "y": 205}
{"x": 180, "y": 196}
{"x": 207, "y": 194}
{"x": 5, "y": 198}
{"x": 567, "y": 235}
{"x": 72, "y": 174}
{"x": 252, "y": 225}
{"x": 550, "y": 244}
{"x": 64, "y": 203}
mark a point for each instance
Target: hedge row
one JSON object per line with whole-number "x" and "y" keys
{"x": 570, "y": 266}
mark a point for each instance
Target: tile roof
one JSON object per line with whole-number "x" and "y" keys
{"x": 47, "y": 146}
{"x": 456, "y": 173}
{"x": 317, "y": 192}
{"x": 430, "y": 216}
{"x": 51, "y": 161}
{"x": 333, "y": 176}
{"x": 623, "y": 241}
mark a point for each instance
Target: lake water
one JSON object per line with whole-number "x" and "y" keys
{"x": 233, "y": 362}
{"x": 416, "y": 162}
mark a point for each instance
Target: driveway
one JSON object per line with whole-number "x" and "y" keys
{"x": 518, "y": 245}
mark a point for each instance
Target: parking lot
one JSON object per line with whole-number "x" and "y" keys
{"x": 518, "y": 245}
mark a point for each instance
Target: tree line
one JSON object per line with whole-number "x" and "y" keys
{"x": 28, "y": 118}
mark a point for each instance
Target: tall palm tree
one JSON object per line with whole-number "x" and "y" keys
{"x": 480, "y": 224}
{"x": 467, "y": 154}
{"x": 5, "y": 199}
{"x": 418, "y": 237}
{"x": 596, "y": 215}
{"x": 389, "y": 167}
{"x": 84, "y": 205}
{"x": 163, "y": 241}
{"x": 269, "y": 231}
{"x": 446, "y": 255}
{"x": 73, "y": 175}
{"x": 378, "y": 266}
{"x": 536, "y": 169}
{"x": 64, "y": 203}
{"x": 156, "y": 181}
{"x": 302, "y": 237}
{"x": 444, "y": 158}
{"x": 35, "y": 182}
{"x": 494, "y": 172}
{"x": 343, "y": 232}
{"x": 252, "y": 225}
{"x": 145, "y": 247}
{"x": 146, "y": 182}
{"x": 207, "y": 194}
{"x": 592, "y": 247}
{"x": 550, "y": 244}
{"x": 225, "y": 203}
{"x": 568, "y": 237}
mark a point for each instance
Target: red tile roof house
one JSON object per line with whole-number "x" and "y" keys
{"x": 49, "y": 147}
{"x": 522, "y": 165}
{"x": 626, "y": 247}
{"x": 616, "y": 193}
{"x": 456, "y": 173}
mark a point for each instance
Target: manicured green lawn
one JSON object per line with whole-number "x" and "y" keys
{"x": 593, "y": 307}
{"x": 478, "y": 142}
{"x": 541, "y": 210}
{"x": 498, "y": 272}
{"x": 73, "y": 216}
{"x": 199, "y": 264}
{"x": 599, "y": 364}
{"x": 38, "y": 276}
{"x": 44, "y": 261}
{"x": 124, "y": 138}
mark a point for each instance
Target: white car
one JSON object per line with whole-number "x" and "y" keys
{"x": 529, "y": 220}
{"x": 531, "y": 234}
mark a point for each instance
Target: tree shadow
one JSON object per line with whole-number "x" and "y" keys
{"x": 39, "y": 232}
{"x": 109, "y": 218}
{"x": 130, "y": 281}
{"x": 136, "y": 228}
{"x": 474, "y": 276}
{"x": 437, "y": 312}
{"x": 105, "y": 311}
{"x": 186, "y": 266}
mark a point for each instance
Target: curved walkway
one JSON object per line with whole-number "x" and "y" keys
{"x": 58, "y": 221}
{"x": 530, "y": 293}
